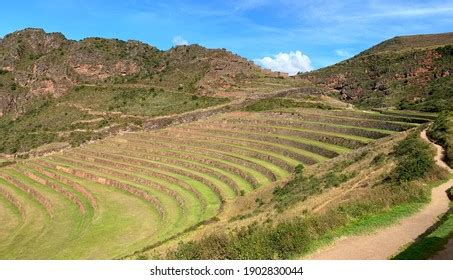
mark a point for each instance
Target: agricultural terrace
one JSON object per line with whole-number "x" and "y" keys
{"x": 112, "y": 197}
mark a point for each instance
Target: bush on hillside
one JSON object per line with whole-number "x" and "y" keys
{"x": 438, "y": 97}
{"x": 298, "y": 169}
{"x": 438, "y": 130}
{"x": 414, "y": 159}
{"x": 302, "y": 186}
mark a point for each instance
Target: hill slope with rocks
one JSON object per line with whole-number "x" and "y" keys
{"x": 35, "y": 63}
{"x": 410, "y": 72}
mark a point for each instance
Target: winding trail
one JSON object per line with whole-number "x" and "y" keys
{"x": 386, "y": 242}
{"x": 439, "y": 152}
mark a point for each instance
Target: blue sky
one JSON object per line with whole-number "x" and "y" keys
{"x": 300, "y": 34}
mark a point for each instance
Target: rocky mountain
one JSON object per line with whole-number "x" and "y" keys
{"x": 410, "y": 72}
{"x": 35, "y": 63}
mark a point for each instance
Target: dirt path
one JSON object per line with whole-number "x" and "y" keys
{"x": 386, "y": 242}
{"x": 439, "y": 152}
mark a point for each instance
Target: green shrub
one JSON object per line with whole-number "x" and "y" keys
{"x": 335, "y": 179}
{"x": 414, "y": 159}
{"x": 214, "y": 246}
{"x": 438, "y": 130}
{"x": 298, "y": 169}
{"x": 298, "y": 189}
{"x": 301, "y": 187}
{"x": 252, "y": 242}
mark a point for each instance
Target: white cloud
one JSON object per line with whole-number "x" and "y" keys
{"x": 179, "y": 41}
{"x": 343, "y": 53}
{"x": 291, "y": 63}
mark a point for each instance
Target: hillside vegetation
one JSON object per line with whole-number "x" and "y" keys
{"x": 35, "y": 63}
{"x": 442, "y": 133}
{"x": 89, "y": 113}
{"x": 410, "y": 72}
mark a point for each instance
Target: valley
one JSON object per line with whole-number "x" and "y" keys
{"x": 117, "y": 150}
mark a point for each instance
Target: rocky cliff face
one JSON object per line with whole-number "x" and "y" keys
{"x": 35, "y": 63}
{"x": 402, "y": 70}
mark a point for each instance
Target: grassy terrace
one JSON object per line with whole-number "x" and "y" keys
{"x": 116, "y": 196}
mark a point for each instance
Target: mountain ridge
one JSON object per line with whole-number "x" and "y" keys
{"x": 36, "y": 63}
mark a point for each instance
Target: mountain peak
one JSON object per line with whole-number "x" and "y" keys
{"x": 34, "y": 33}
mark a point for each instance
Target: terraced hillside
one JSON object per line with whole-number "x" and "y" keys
{"x": 116, "y": 196}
